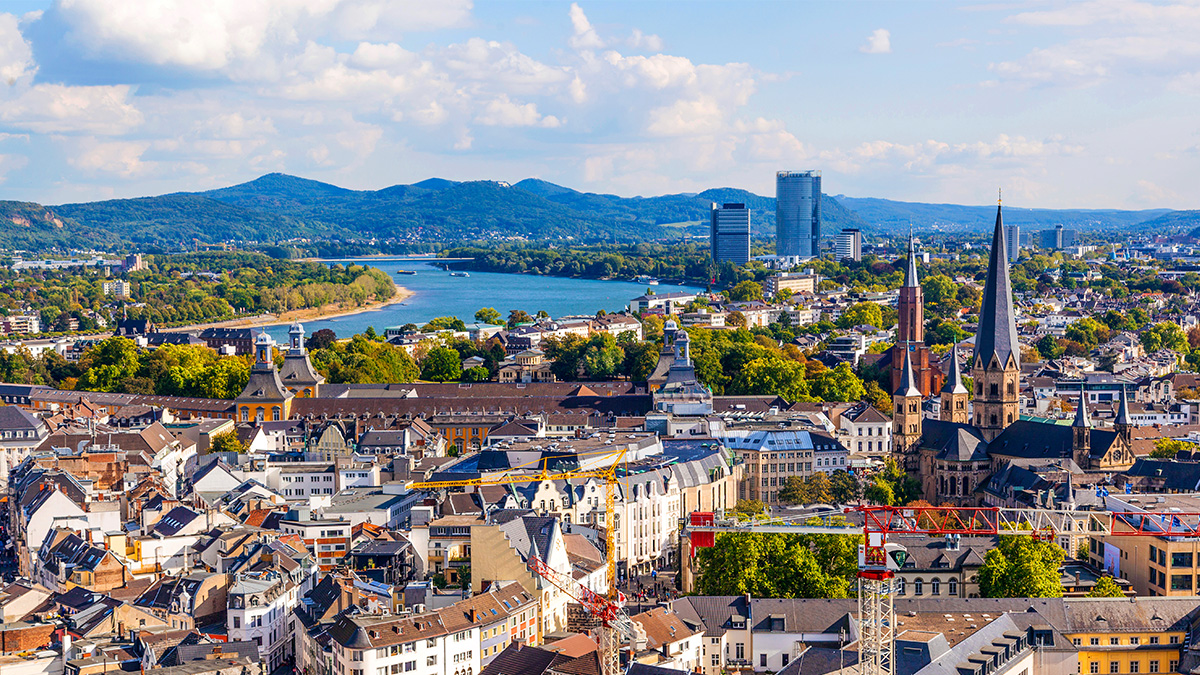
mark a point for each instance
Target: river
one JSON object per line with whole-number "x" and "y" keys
{"x": 436, "y": 293}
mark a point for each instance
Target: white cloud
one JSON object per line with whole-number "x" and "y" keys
{"x": 16, "y": 56}
{"x": 878, "y": 42}
{"x": 585, "y": 36}
{"x": 122, "y": 158}
{"x": 641, "y": 41}
{"x": 503, "y": 112}
{"x": 56, "y": 108}
{"x": 1139, "y": 39}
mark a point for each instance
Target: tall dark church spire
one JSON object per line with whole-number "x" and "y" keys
{"x": 997, "y": 334}
{"x": 996, "y": 367}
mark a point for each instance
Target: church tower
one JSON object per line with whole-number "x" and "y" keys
{"x": 264, "y": 398}
{"x": 906, "y": 422}
{"x": 1122, "y": 424}
{"x": 1081, "y": 433}
{"x": 910, "y": 333}
{"x": 954, "y": 393}
{"x": 297, "y": 374}
{"x": 996, "y": 364}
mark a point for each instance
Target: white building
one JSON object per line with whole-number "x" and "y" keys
{"x": 260, "y": 608}
{"x": 848, "y": 245}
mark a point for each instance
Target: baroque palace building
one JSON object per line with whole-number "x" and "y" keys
{"x": 979, "y": 430}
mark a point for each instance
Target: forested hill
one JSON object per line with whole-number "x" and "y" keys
{"x": 436, "y": 211}
{"x": 888, "y": 214}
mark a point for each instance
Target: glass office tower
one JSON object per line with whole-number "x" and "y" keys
{"x": 798, "y": 213}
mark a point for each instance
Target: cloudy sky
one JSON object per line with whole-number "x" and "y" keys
{"x": 1063, "y": 104}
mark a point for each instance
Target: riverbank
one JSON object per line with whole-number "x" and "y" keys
{"x": 335, "y": 311}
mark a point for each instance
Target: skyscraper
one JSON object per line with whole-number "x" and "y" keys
{"x": 1012, "y": 242}
{"x": 730, "y": 233}
{"x": 849, "y": 245}
{"x": 798, "y": 213}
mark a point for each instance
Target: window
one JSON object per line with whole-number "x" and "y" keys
{"x": 762, "y": 660}
{"x": 237, "y": 622}
{"x": 431, "y": 660}
{"x": 935, "y": 587}
{"x": 1135, "y": 640}
{"x": 1114, "y": 666}
{"x": 739, "y": 651}
{"x": 953, "y": 584}
{"x": 1135, "y": 666}
{"x": 1094, "y": 641}
{"x": 1181, "y": 559}
{"x": 918, "y": 586}
{"x": 715, "y": 661}
{"x": 785, "y": 658}
{"x": 1095, "y": 665}
{"x": 1174, "y": 639}
{"x": 1154, "y": 666}
{"x": 1172, "y": 666}
{"x": 1114, "y": 641}
{"x": 1077, "y": 642}
{"x": 410, "y": 665}
{"x": 1153, "y": 639}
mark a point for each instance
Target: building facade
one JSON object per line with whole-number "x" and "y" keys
{"x": 849, "y": 245}
{"x": 730, "y": 233}
{"x": 798, "y": 213}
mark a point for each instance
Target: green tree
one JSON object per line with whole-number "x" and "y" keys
{"x": 1022, "y": 567}
{"x": 880, "y": 492}
{"x": 861, "y": 314}
{"x": 778, "y": 566}
{"x": 476, "y": 374}
{"x": 108, "y": 364}
{"x": 772, "y": 375}
{"x": 1106, "y": 587}
{"x": 1087, "y": 331}
{"x": 838, "y": 384}
{"x": 749, "y": 508}
{"x": 793, "y": 491}
{"x": 817, "y": 488}
{"x": 843, "y": 487}
{"x": 745, "y": 290}
{"x": 603, "y": 358}
{"x": 441, "y": 364}
{"x": 1167, "y": 448}
{"x": 517, "y": 317}
{"x": 1049, "y": 348}
{"x": 1164, "y": 335}
{"x": 488, "y": 315}
{"x": 445, "y": 323}
{"x": 226, "y": 442}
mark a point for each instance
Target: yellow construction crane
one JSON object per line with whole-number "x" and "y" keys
{"x": 614, "y": 623}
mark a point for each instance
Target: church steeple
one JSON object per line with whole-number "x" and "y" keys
{"x": 1122, "y": 423}
{"x": 1081, "y": 432}
{"x": 996, "y": 365}
{"x": 906, "y": 422}
{"x": 910, "y": 272}
{"x": 954, "y": 393}
{"x": 997, "y": 333}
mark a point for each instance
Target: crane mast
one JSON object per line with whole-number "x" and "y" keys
{"x": 879, "y": 559}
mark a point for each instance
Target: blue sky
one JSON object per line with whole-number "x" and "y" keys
{"x": 1063, "y": 104}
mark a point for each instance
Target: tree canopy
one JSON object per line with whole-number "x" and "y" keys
{"x": 1022, "y": 567}
{"x": 779, "y": 565}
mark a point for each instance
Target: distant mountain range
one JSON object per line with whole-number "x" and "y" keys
{"x": 276, "y": 207}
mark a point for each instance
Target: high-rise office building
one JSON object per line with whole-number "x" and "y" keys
{"x": 1012, "y": 242}
{"x": 730, "y": 232}
{"x": 849, "y": 245}
{"x": 1058, "y": 238}
{"x": 798, "y": 213}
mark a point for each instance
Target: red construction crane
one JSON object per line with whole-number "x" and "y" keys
{"x": 878, "y": 559}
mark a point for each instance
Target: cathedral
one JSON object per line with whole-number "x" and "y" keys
{"x": 979, "y": 431}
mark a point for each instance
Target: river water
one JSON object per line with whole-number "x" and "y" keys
{"x": 436, "y": 293}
